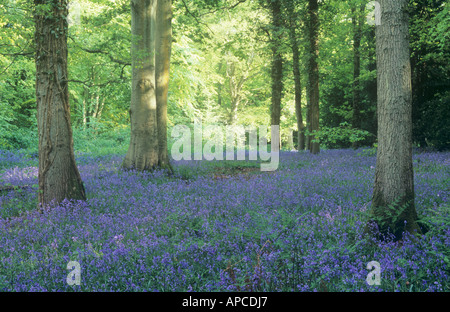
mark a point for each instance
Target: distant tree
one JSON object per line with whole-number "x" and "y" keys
{"x": 357, "y": 15}
{"x": 277, "y": 60}
{"x": 313, "y": 75}
{"x": 370, "y": 88}
{"x": 430, "y": 64}
{"x": 59, "y": 178}
{"x": 236, "y": 83}
{"x": 393, "y": 208}
{"x": 293, "y": 24}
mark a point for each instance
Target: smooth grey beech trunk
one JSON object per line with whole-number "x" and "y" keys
{"x": 151, "y": 27}
{"x": 163, "y": 52}
{"x": 393, "y": 206}
{"x": 58, "y": 176}
{"x": 143, "y": 151}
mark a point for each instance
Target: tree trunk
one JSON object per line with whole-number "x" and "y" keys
{"x": 143, "y": 151}
{"x": 84, "y": 108}
{"x": 58, "y": 175}
{"x": 235, "y": 87}
{"x": 297, "y": 85}
{"x": 219, "y": 89}
{"x": 163, "y": 51}
{"x": 308, "y": 116}
{"x": 371, "y": 87}
{"x": 313, "y": 72}
{"x": 393, "y": 208}
{"x": 277, "y": 63}
{"x": 232, "y": 117}
{"x": 357, "y": 33}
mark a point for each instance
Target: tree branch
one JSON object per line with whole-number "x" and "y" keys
{"x": 90, "y": 85}
{"x": 96, "y": 51}
{"x": 224, "y": 8}
{"x": 195, "y": 17}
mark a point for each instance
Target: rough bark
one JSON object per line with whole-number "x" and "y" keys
{"x": 313, "y": 73}
{"x": 163, "y": 52}
{"x": 143, "y": 151}
{"x": 393, "y": 208}
{"x": 58, "y": 175}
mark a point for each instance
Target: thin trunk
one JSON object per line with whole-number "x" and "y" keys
{"x": 308, "y": 116}
{"x": 394, "y": 184}
{"x": 313, "y": 71}
{"x": 84, "y": 108}
{"x": 357, "y": 33}
{"x": 232, "y": 118}
{"x": 143, "y": 151}
{"x": 97, "y": 104}
{"x": 235, "y": 89}
{"x": 58, "y": 175}
{"x": 100, "y": 109}
{"x": 290, "y": 142}
{"x": 231, "y": 72}
{"x": 372, "y": 84}
{"x": 298, "y": 85}
{"x": 219, "y": 87}
{"x": 163, "y": 52}
{"x": 89, "y": 109}
{"x": 277, "y": 63}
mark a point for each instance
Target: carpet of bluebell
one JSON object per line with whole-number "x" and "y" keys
{"x": 216, "y": 226}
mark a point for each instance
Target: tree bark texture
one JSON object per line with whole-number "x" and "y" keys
{"x": 58, "y": 175}
{"x": 393, "y": 206}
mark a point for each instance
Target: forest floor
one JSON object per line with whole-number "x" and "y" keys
{"x": 221, "y": 226}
